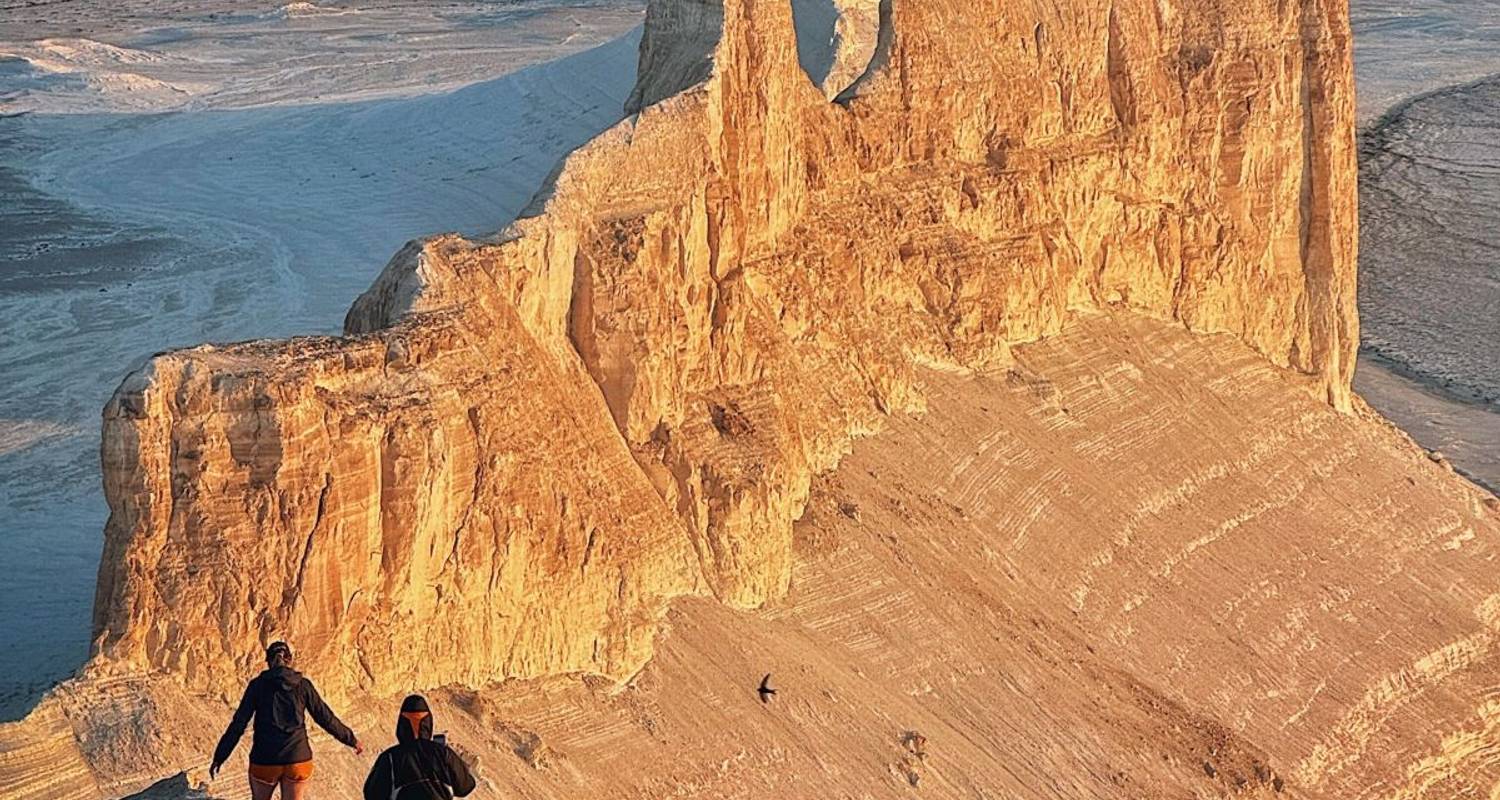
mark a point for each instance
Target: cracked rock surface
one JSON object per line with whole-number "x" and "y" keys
{"x": 521, "y": 451}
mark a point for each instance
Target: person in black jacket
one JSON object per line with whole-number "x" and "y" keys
{"x": 279, "y": 752}
{"x": 417, "y": 768}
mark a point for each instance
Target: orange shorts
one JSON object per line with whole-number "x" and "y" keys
{"x": 276, "y": 773}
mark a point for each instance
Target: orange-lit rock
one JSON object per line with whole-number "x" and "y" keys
{"x": 526, "y": 447}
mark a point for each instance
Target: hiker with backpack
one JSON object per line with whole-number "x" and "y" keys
{"x": 280, "y": 755}
{"x": 419, "y": 767}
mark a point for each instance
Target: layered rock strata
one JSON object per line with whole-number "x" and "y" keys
{"x": 1251, "y": 613}
{"x": 525, "y": 446}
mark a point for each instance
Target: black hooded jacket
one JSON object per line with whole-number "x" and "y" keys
{"x": 418, "y": 767}
{"x": 277, "y": 699}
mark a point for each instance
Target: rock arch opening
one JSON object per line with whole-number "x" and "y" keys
{"x": 836, "y": 40}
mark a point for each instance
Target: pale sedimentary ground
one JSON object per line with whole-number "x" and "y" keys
{"x": 19, "y": 434}
{"x": 1465, "y": 433}
{"x": 1253, "y": 604}
{"x": 1403, "y": 48}
{"x": 1430, "y": 184}
{"x": 80, "y": 56}
{"x": 302, "y": 150}
{"x": 1429, "y": 256}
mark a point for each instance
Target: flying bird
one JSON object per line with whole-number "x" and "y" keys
{"x": 765, "y": 691}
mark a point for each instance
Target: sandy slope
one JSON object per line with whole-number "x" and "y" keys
{"x": 1089, "y": 576}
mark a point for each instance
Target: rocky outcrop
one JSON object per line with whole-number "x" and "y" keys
{"x": 524, "y": 447}
{"x": 396, "y": 510}
{"x": 1248, "y": 612}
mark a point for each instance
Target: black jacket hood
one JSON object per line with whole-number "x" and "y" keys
{"x": 414, "y": 721}
{"x": 418, "y": 768}
{"x": 285, "y": 677}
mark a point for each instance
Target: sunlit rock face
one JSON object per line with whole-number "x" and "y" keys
{"x": 525, "y": 447}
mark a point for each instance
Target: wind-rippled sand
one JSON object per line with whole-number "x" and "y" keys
{"x": 211, "y": 171}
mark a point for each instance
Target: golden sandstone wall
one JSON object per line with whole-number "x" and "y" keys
{"x": 525, "y": 447}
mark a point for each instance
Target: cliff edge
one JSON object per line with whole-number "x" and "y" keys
{"x": 527, "y": 449}
{"x": 526, "y": 446}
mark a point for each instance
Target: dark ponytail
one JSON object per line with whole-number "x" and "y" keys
{"x": 279, "y": 654}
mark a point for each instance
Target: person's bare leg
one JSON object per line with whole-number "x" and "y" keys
{"x": 293, "y": 790}
{"x": 261, "y": 791}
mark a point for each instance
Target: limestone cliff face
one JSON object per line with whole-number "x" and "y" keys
{"x": 396, "y": 509}
{"x": 525, "y": 447}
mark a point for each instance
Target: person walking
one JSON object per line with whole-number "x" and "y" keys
{"x": 418, "y": 767}
{"x": 278, "y": 699}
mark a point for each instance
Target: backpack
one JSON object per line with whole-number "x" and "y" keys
{"x": 442, "y": 788}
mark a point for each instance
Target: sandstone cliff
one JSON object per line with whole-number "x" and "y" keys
{"x": 525, "y": 447}
{"x": 1252, "y": 613}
